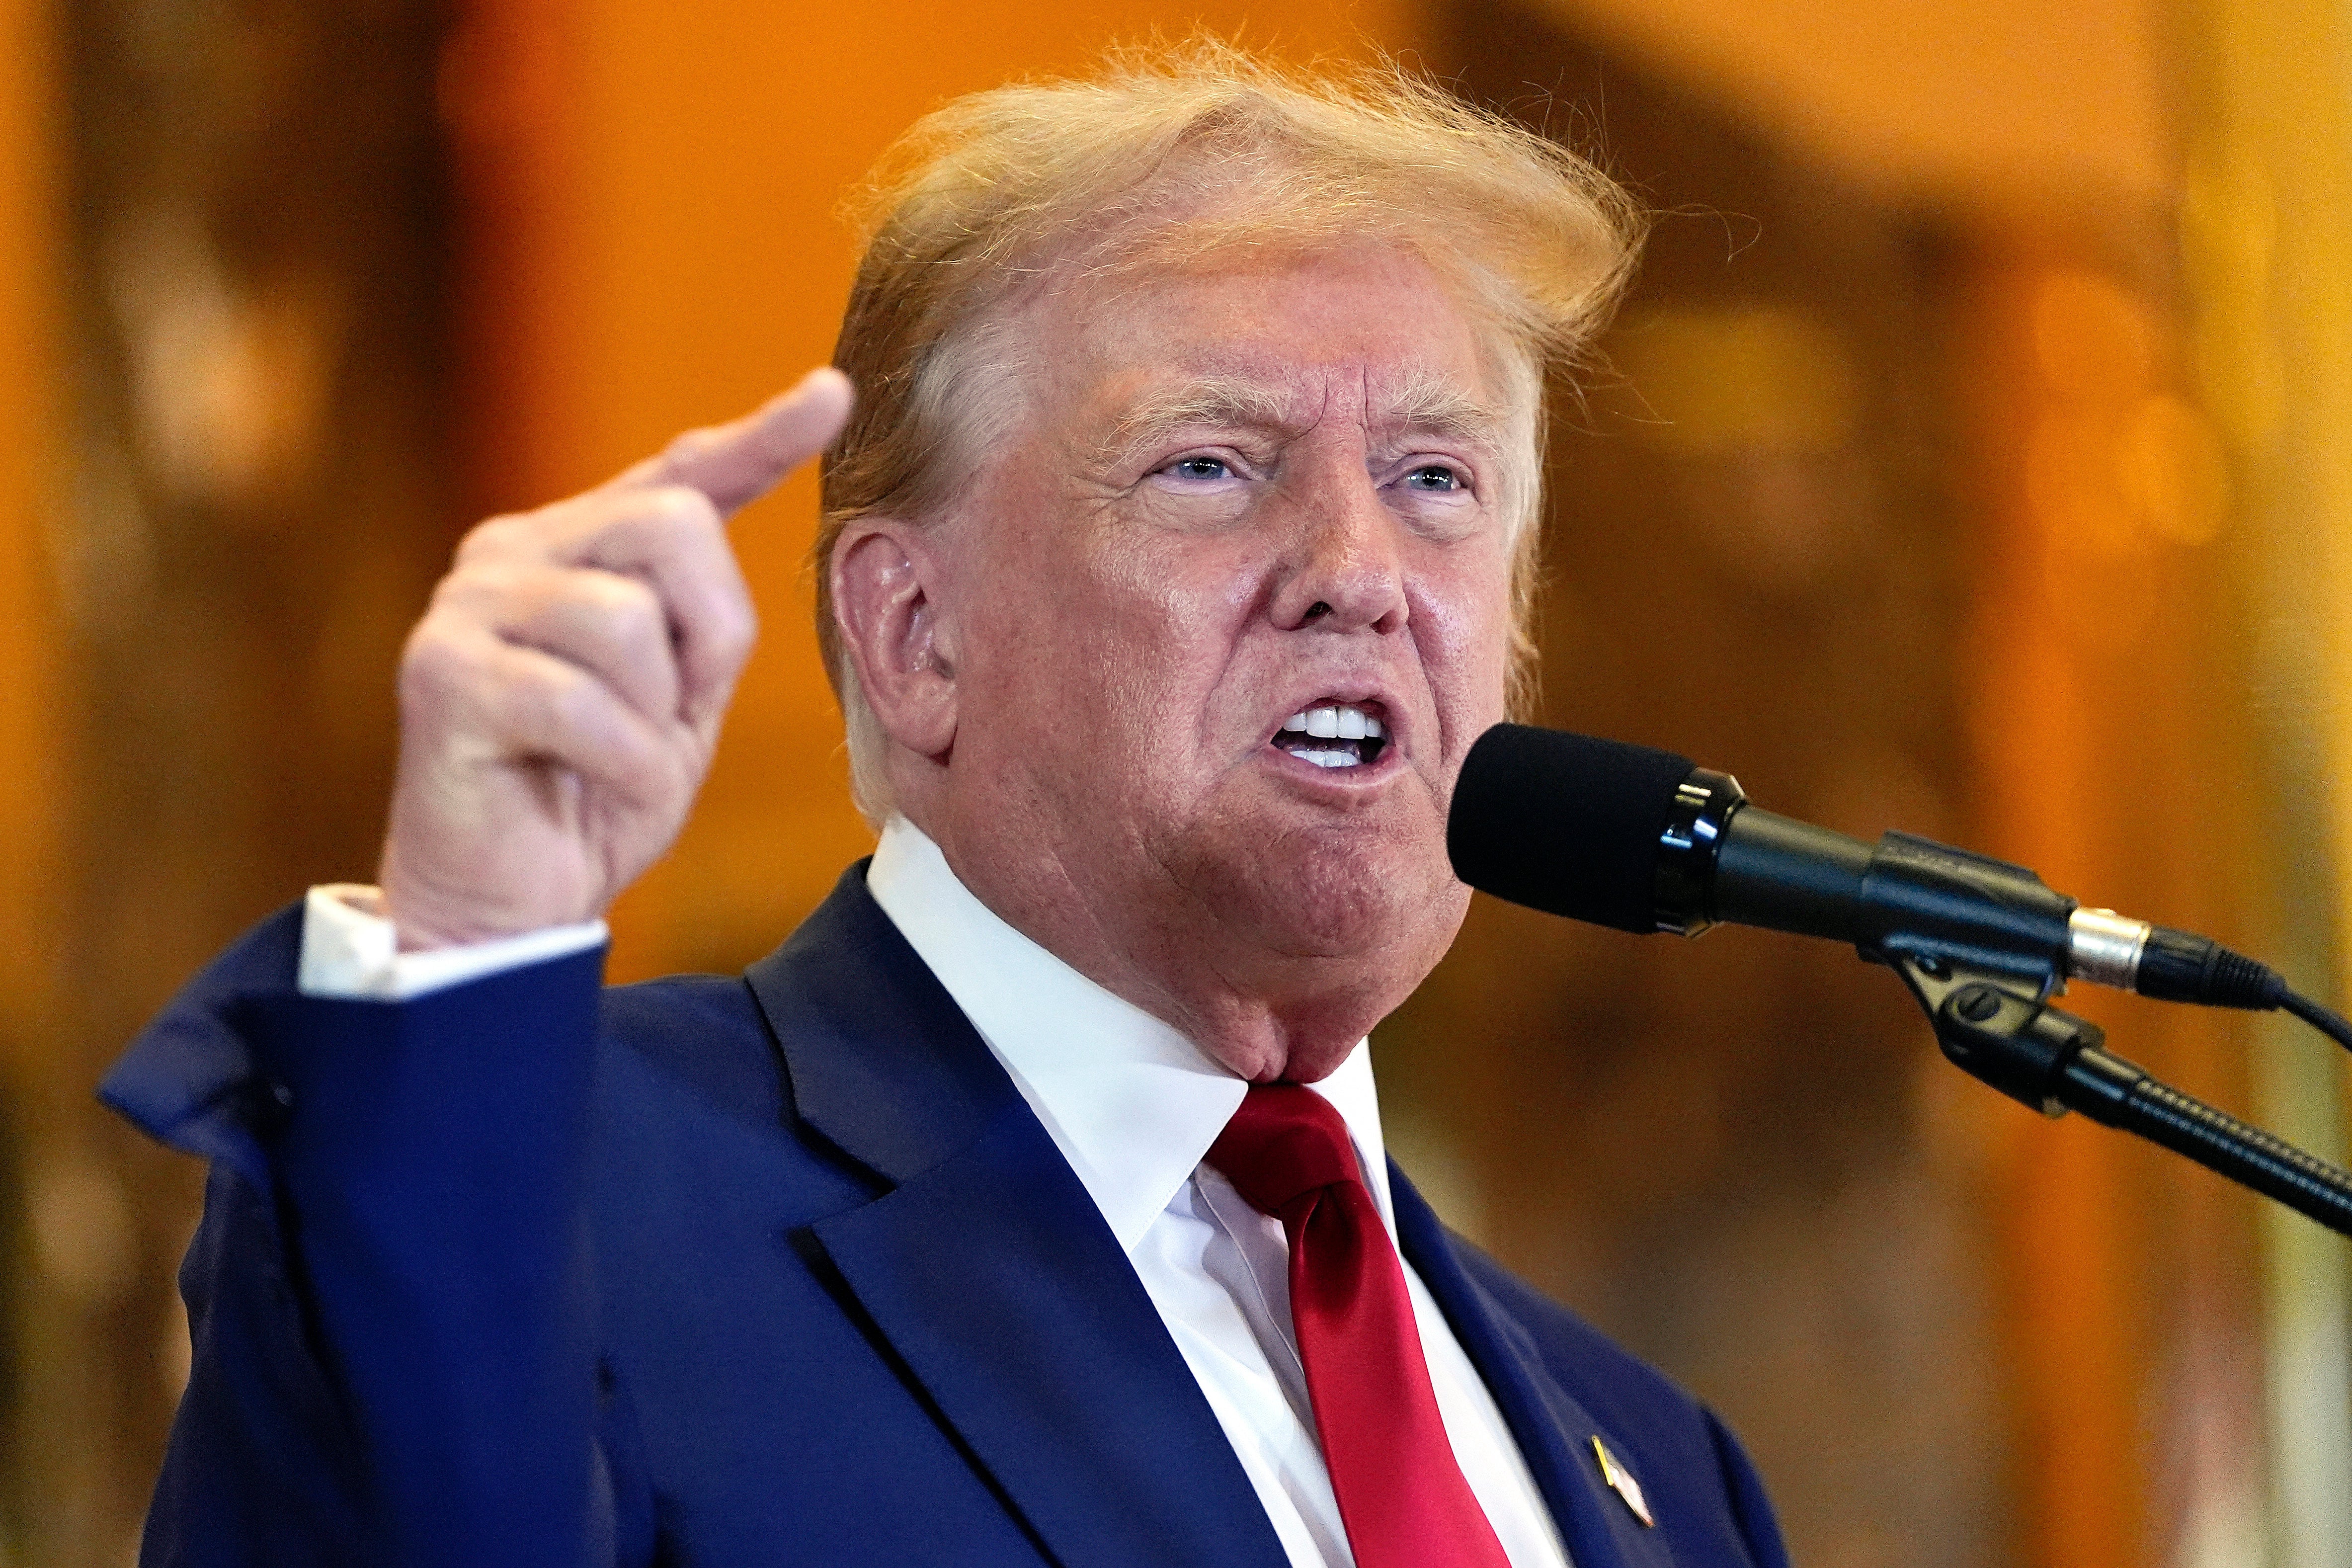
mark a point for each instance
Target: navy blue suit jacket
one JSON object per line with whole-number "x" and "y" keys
{"x": 764, "y": 1270}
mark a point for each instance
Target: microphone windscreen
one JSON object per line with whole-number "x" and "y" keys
{"x": 1567, "y": 824}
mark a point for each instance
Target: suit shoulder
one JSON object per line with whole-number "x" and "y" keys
{"x": 646, "y": 1007}
{"x": 703, "y": 1031}
{"x": 1612, "y": 1382}
{"x": 1692, "y": 1465}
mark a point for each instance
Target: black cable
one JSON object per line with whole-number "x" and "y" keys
{"x": 2182, "y": 967}
{"x": 2325, "y": 1020}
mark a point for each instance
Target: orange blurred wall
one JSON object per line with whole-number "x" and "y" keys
{"x": 2001, "y": 103}
{"x": 666, "y": 254}
{"x": 30, "y": 483}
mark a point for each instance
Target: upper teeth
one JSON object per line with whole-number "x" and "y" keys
{"x": 1345, "y": 721}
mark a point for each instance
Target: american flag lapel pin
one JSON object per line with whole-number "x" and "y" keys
{"x": 1620, "y": 1481}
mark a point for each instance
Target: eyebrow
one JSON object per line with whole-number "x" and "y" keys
{"x": 1425, "y": 404}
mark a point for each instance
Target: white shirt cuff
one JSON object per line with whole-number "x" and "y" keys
{"x": 350, "y": 952}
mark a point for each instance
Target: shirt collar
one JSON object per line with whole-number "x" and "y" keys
{"x": 1130, "y": 1102}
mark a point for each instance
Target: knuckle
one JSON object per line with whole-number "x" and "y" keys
{"x": 621, "y": 609}
{"x": 484, "y": 571}
{"x": 483, "y": 595}
{"x": 429, "y": 656}
{"x": 439, "y": 673}
{"x": 736, "y": 628}
{"x": 542, "y": 703}
{"x": 571, "y": 706}
{"x": 681, "y": 509}
{"x": 492, "y": 536}
{"x": 620, "y": 593}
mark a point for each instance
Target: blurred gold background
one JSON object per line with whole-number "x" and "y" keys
{"x": 1978, "y": 461}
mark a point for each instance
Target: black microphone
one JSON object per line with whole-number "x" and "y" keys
{"x": 1644, "y": 840}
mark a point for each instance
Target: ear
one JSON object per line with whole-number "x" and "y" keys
{"x": 884, "y": 603}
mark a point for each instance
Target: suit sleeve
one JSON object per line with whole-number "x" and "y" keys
{"x": 391, "y": 1297}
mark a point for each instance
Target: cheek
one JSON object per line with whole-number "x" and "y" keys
{"x": 1168, "y": 621}
{"x": 1104, "y": 627}
{"x": 1463, "y": 609}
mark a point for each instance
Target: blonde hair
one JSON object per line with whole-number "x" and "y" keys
{"x": 1169, "y": 156}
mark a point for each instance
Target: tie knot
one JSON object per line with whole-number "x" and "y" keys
{"x": 1285, "y": 1141}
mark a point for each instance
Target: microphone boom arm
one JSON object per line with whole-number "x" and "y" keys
{"x": 1997, "y": 1028}
{"x": 1982, "y": 945}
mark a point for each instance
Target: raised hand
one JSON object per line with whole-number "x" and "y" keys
{"x": 560, "y": 699}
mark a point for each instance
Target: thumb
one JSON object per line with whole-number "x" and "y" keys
{"x": 737, "y": 463}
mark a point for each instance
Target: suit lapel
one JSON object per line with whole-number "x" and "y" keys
{"x": 987, "y": 1268}
{"x": 1555, "y": 1433}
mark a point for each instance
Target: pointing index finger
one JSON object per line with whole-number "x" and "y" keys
{"x": 737, "y": 463}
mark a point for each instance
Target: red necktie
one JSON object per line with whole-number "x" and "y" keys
{"x": 1401, "y": 1495}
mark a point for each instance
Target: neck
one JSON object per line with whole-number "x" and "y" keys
{"x": 1264, "y": 1013}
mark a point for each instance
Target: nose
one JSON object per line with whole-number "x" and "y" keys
{"x": 1342, "y": 570}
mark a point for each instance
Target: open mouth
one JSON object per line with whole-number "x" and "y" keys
{"x": 1339, "y": 735}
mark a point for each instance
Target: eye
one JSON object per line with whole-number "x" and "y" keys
{"x": 1197, "y": 469}
{"x": 1434, "y": 477}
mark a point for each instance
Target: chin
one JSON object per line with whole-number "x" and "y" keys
{"x": 1325, "y": 909}
{"x": 1346, "y": 899}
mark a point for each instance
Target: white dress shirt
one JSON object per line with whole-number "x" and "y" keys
{"x": 1133, "y": 1106}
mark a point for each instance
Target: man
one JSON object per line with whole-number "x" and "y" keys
{"x": 1171, "y": 562}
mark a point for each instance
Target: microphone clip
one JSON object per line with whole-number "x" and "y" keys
{"x": 1995, "y": 1026}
